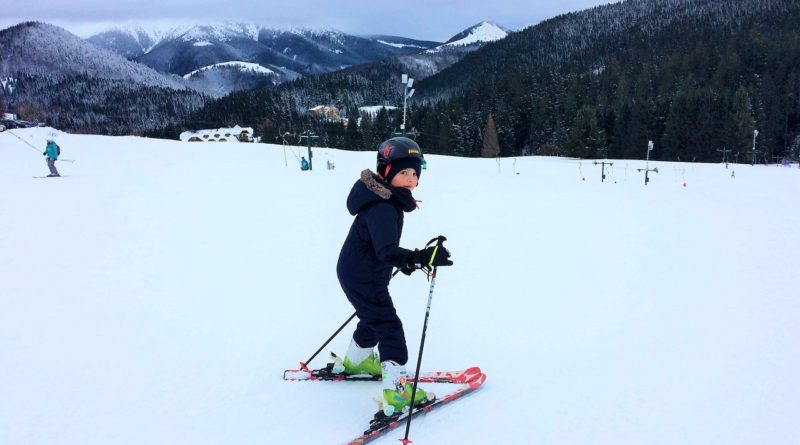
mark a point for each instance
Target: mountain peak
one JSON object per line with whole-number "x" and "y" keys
{"x": 484, "y": 31}
{"x": 473, "y": 37}
{"x": 222, "y": 32}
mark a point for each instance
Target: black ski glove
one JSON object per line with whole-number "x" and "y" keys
{"x": 425, "y": 259}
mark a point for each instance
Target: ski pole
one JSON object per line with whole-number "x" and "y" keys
{"x": 23, "y": 140}
{"x": 304, "y": 365}
{"x": 34, "y": 148}
{"x": 439, "y": 240}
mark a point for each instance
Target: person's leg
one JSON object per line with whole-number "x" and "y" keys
{"x": 379, "y": 323}
{"x": 378, "y": 320}
{"x": 364, "y": 335}
{"x": 51, "y": 164}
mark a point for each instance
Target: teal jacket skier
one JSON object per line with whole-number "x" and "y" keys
{"x": 52, "y": 151}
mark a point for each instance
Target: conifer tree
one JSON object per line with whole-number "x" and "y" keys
{"x": 352, "y": 136}
{"x": 743, "y": 120}
{"x": 587, "y": 139}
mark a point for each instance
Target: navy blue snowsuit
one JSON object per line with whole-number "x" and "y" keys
{"x": 365, "y": 263}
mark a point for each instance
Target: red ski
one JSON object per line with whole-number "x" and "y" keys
{"x": 327, "y": 374}
{"x": 382, "y": 423}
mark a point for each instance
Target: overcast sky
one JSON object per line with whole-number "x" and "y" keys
{"x": 419, "y": 19}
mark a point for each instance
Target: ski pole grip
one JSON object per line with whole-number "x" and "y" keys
{"x": 439, "y": 240}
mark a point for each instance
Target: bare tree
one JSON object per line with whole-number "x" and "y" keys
{"x": 491, "y": 146}
{"x": 28, "y": 111}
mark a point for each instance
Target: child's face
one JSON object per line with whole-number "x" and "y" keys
{"x": 406, "y": 178}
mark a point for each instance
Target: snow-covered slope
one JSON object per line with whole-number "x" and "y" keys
{"x": 481, "y": 33}
{"x": 133, "y": 40}
{"x": 242, "y": 66}
{"x": 45, "y": 50}
{"x": 222, "y": 32}
{"x": 156, "y": 295}
{"x": 434, "y": 60}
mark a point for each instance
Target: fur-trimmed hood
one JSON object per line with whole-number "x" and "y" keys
{"x": 370, "y": 188}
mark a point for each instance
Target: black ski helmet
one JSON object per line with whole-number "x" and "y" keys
{"x": 397, "y": 148}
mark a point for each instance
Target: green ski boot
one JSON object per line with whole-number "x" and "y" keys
{"x": 397, "y": 389}
{"x": 359, "y": 361}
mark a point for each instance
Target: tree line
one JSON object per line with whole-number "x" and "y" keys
{"x": 691, "y": 87}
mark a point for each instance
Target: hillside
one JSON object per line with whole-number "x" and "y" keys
{"x": 50, "y": 75}
{"x": 696, "y": 77}
{"x": 368, "y": 84}
{"x": 43, "y": 50}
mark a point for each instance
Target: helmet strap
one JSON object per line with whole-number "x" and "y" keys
{"x": 386, "y": 170}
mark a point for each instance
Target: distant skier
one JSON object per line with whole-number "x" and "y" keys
{"x": 365, "y": 264}
{"x": 303, "y": 163}
{"x": 52, "y": 152}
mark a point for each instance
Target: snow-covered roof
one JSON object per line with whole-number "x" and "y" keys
{"x": 217, "y": 134}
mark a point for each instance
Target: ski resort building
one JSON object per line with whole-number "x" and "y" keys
{"x": 329, "y": 113}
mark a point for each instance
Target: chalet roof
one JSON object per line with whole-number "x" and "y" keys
{"x": 217, "y": 134}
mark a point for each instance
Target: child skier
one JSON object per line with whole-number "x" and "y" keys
{"x": 52, "y": 151}
{"x": 365, "y": 267}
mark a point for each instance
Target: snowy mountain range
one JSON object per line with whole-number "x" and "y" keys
{"x": 57, "y": 77}
{"x": 351, "y": 89}
{"x": 64, "y": 77}
{"x": 41, "y": 49}
{"x": 280, "y": 55}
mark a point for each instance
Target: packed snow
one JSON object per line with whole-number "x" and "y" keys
{"x": 156, "y": 294}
